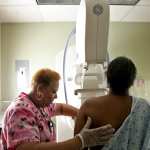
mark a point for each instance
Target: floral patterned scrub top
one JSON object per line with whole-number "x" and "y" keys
{"x": 24, "y": 122}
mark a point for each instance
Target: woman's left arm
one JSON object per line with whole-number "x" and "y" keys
{"x": 66, "y": 110}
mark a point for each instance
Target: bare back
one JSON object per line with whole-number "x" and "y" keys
{"x": 103, "y": 110}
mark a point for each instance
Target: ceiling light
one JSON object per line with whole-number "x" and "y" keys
{"x": 58, "y": 2}
{"x": 123, "y": 2}
{"x": 77, "y": 2}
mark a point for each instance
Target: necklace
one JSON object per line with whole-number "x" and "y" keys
{"x": 44, "y": 115}
{"x": 50, "y": 123}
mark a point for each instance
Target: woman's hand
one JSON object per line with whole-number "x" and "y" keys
{"x": 96, "y": 136}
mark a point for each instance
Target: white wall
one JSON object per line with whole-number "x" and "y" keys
{"x": 132, "y": 40}
{"x": 40, "y": 42}
{"x": 37, "y": 42}
{"x": 0, "y": 62}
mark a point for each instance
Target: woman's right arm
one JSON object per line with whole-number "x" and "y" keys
{"x": 72, "y": 144}
{"x": 86, "y": 138}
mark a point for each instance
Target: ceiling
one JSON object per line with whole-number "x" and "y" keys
{"x": 28, "y": 11}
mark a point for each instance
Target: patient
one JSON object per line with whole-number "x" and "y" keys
{"x": 114, "y": 107}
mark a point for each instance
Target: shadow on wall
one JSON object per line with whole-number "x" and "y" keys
{"x": 3, "y": 107}
{"x": 141, "y": 88}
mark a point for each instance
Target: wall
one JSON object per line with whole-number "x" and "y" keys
{"x": 0, "y": 62}
{"x": 132, "y": 40}
{"x": 40, "y": 42}
{"x": 37, "y": 42}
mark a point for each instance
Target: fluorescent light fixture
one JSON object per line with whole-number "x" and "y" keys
{"x": 58, "y": 2}
{"x": 77, "y": 2}
{"x": 123, "y": 2}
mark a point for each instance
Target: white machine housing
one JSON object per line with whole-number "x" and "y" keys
{"x": 92, "y": 28}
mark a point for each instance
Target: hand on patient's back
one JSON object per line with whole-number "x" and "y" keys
{"x": 87, "y": 124}
{"x": 101, "y": 135}
{"x": 96, "y": 136}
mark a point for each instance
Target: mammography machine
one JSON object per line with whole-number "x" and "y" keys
{"x": 88, "y": 70}
{"x": 91, "y": 45}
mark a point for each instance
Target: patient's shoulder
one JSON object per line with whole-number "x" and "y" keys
{"x": 94, "y": 102}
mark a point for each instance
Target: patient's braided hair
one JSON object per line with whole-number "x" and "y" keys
{"x": 121, "y": 74}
